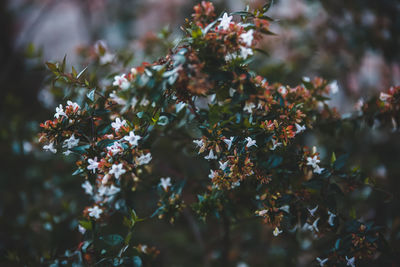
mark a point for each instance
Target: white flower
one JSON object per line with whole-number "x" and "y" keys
{"x": 121, "y": 81}
{"x": 276, "y": 231}
{"x": 106, "y": 58}
{"x": 228, "y": 142}
{"x": 71, "y": 142}
{"x": 81, "y": 229}
{"x": 165, "y": 183}
{"x": 67, "y": 152}
{"x": 299, "y": 128}
{"x": 95, "y": 212}
{"x": 115, "y": 148}
{"x": 225, "y": 21}
{"x": 144, "y": 159}
{"x": 262, "y": 212}
{"x": 321, "y": 261}
{"x": 282, "y": 90}
{"x": 275, "y": 144}
{"x": 245, "y": 52}
{"x": 231, "y": 92}
{"x": 383, "y": 96}
{"x": 315, "y": 225}
{"x": 334, "y": 87}
{"x": 144, "y": 102}
{"x": 88, "y": 188}
{"x": 59, "y": 112}
{"x": 117, "y": 170}
{"x": 285, "y": 208}
{"x": 306, "y": 79}
{"x": 212, "y": 174}
{"x": 199, "y": 143}
{"x": 93, "y": 164}
{"x": 312, "y": 211}
{"x": 102, "y": 190}
{"x": 249, "y": 107}
{"x": 247, "y": 37}
{"x": 114, "y": 97}
{"x": 112, "y": 190}
{"x": 351, "y": 262}
{"x": 318, "y": 169}
{"x": 223, "y": 165}
{"x": 118, "y": 124}
{"x": 331, "y": 218}
{"x": 74, "y": 105}
{"x": 132, "y": 138}
{"x": 250, "y": 142}
{"x": 313, "y": 161}
{"x": 210, "y": 155}
{"x": 50, "y": 147}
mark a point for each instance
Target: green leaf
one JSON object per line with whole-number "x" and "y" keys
{"x": 112, "y": 240}
{"x": 82, "y": 72}
{"x": 86, "y": 224}
{"x": 90, "y": 95}
{"x": 80, "y": 149}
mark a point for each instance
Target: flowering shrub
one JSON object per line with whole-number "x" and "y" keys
{"x": 203, "y": 97}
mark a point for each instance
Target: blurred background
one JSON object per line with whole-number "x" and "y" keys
{"x": 354, "y": 42}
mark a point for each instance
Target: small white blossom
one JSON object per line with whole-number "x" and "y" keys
{"x": 112, "y": 190}
{"x": 331, "y": 218}
{"x": 71, "y": 142}
{"x": 231, "y": 92}
{"x": 74, "y": 105}
{"x": 144, "y": 159}
{"x": 384, "y": 97}
{"x": 102, "y": 190}
{"x": 312, "y": 211}
{"x": 81, "y": 229}
{"x": 211, "y": 155}
{"x": 276, "y": 231}
{"x": 67, "y": 152}
{"x": 334, "y": 87}
{"x": 223, "y": 165}
{"x": 59, "y": 112}
{"x": 132, "y": 138}
{"x": 245, "y": 52}
{"x": 144, "y": 102}
{"x": 299, "y": 128}
{"x": 313, "y": 161}
{"x": 247, "y": 37}
{"x": 351, "y": 262}
{"x": 117, "y": 170}
{"x": 95, "y": 212}
{"x": 250, "y": 142}
{"x": 121, "y": 82}
{"x": 318, "y": 169}
{"x": 114, "y": 97}
{"x": 282, "y": 90}
{"x": 225, "y": 21}
{"x": 50, "y": 147}
{"x": 228, "y": 142}
{"x": 165, "y": 183}
{"x": 212, "y": 174}
{"x": 275, "y": 144}
{"x": 199, "y": 143}
{"x": 93, "y": 164}
{"x": 315, "y": 225}
{"x": 248, "y": 107}
{"x": 285, "y": 208}
{"x": 262, "y": 212}
{"x": 88, "y": 188}
{"x": 115, "y": 148}
{"x": 118, "y": 124}
{"x": 106, "y": 58}
{"x": 306, "y": 79}
{"x": 322, "y": 262}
